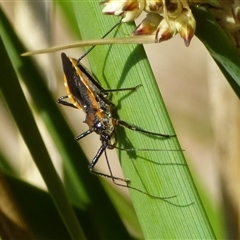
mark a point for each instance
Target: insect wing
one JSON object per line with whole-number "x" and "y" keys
{"x": 101, "y": 94}
{"x": 78, "y": 90}
{"x": 91, "y": 81}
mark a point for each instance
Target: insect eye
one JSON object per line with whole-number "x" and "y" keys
{"x": 99, "y": 127}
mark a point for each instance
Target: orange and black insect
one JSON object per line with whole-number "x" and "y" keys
{"x": 85, "y": 93}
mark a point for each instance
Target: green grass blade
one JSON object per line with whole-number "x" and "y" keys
{"x": 160, "y": 173}
{"x": 4, "y": 164}
{"x": 14, "y": 97}
{"x": 38, "y": 210}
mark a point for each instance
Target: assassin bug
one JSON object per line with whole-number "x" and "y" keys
{"x": 85, "y": 93}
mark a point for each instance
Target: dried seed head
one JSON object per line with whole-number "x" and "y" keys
{"x": 155, "y": 6}
{"x": 149, "y": 25}
{"x": 129, "y": 9}
{"x": 186, "y": 25}
{"x": 166, "y": 30}
{"x": 173, "y": 8}
{"x": 165, "y": 17}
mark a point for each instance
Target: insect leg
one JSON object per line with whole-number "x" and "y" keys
{"x": 84, "y": 134}
{"x": 60, "y": 100}
{"x": 134, "y": 128}
{"x": 127, "y": 181}
{"x": 121, "y": 89}
{"x": 95, "y": 160}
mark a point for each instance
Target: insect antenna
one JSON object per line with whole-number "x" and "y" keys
{"x": 74, "y": 45}
{"x": 91, "y": 48}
